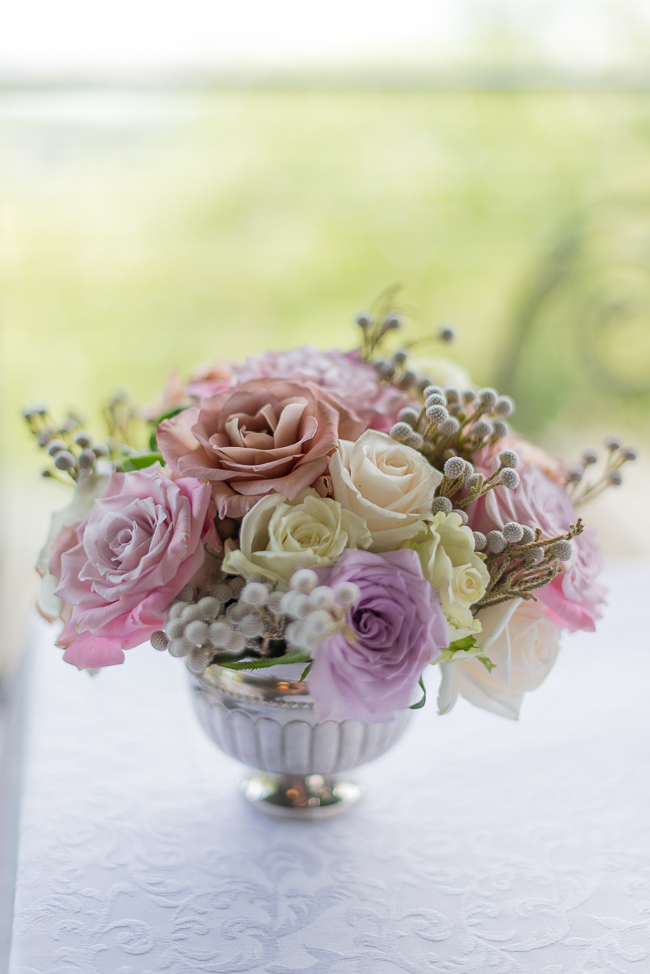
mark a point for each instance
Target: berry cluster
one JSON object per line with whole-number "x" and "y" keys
{"x": 237, "y": 618}
{"x": 520, "y": 560}
{"x": 73, "y": 450}
{"x": 233, "y": 618}
{"x": 318, "y": 611}
{"x": 452, "y": 425}
{"x": 580, "y": 488}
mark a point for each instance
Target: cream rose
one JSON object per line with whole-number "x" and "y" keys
{"x": 386, "y": 483}
{"x": 279, "y": 536}
{"x": 449, "y": 561}
{"x": 522, "y": 642}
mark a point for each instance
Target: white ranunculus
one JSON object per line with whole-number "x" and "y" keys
{"x": 86, "y": 492}
{"x": 521, "y": 641}
{"x": 446, "y": 550}
{"x": 279, "y": 536}
{"x": 389, "y": 485}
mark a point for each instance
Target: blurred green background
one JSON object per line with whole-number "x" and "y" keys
{"x": 145, "y": 231}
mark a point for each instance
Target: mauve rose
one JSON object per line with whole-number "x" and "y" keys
{"x": 121, "y": 566}
{"x": 354, "y": 382}
{"x": 266, "y": 436}
{"x": 574, "y": 598}
{"x": 398, "y": 626}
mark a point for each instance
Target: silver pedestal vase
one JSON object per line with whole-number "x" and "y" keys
{"x": 268, "y": 722}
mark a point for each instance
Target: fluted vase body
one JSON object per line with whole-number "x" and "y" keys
{"x": 269, "y": 723}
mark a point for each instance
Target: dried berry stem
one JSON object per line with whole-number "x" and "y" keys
{"x": 511, "y": 578}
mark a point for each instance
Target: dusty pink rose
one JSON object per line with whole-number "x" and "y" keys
{"x": 398, "y": 627}
{"x": 354, "y": 382}
{"x": 121, "y": 566}
{"x": 266, "y": 436}
{"x": 573, "y": 599}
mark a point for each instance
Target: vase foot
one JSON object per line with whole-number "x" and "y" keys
{"x": 300, "y": 796}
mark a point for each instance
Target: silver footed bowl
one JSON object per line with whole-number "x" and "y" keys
{"x": 268, "y": 722}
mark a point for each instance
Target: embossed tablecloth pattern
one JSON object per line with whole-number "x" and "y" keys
{"x": 483, "y": 845}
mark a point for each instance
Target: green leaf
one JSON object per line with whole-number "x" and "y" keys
{"x": 153, "y": 442}
{"x": 295, "y": 656}
{"x": 465, "y": 644}
{"x": 420, "y": 703}
{"x": 169, "y": 414}
{"x": 486, "y": 661}
{"x": 305, "y": 672}
{"x": 139, "y": 462}
{"x": 465, "y": 648}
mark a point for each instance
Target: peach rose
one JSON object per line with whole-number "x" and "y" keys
{"x": 266, "y": 436}
{"x": 523, "y": 644}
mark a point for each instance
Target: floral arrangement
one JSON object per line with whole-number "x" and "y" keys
{"x": 361, "y": 515}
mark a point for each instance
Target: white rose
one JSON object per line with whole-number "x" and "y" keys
{"x": 389, "y": 485}
{"x": 523, "y": 644}
{"x": 86, "y": 492}
{"x": 279, "y": 536}
{"x": 449, "y": 561}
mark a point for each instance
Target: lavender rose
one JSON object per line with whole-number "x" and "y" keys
{"x": 397, "y": 627}
{"x": 121, "y": 566}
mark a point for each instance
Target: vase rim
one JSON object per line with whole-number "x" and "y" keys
{"x": 255, "y": 685}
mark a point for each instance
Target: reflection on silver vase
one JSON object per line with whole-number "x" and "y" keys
{"x": 269, "y": 724}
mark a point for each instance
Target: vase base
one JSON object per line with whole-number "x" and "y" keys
{"x": 305, "y": 797}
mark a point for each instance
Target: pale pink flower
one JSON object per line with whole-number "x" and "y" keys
{"x": 355, "y": 382}
{"x": 205, "y": 381}
{"x": 532, "y": 455}
{"x": 574, "y": 598}
{"x": 208, "y": 380}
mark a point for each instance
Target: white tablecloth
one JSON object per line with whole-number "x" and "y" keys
{"x": 483, "y": 845}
